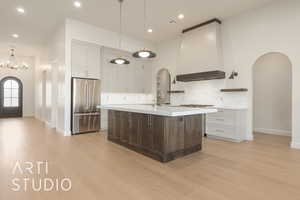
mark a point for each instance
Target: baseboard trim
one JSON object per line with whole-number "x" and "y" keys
{"x": 224, "y": 139}
{"x": 38, "y": 118}
{"x": 273, "y": 131}
{"x": 63, "y": 132}
{"x": 60, "y": 131}
{"x": 48, "y": 124}
{"x": 295, "y": 145}
{"x": 249, "y": 137}
{"x": 67, "y": 133}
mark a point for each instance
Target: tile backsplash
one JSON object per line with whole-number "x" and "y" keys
{"x": 207, "y": 92}
{"x": 200, "y": 92}
{"x": 126, "y": 98}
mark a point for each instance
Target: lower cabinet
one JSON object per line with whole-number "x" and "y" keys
{"x": 193, "y": 130}
{"x": 113, "y": 132}
{"x": 227, "y": 124}
{"x": 125, "y": 126}
{"x": 135, "y": 136}
{"x": 147, "y": 137}
{"x": 159, "y": 137}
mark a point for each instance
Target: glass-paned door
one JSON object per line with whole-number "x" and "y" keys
{"x": 11, "y": 97}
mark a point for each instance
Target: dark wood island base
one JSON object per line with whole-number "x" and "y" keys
{"x": 162, "y": 138}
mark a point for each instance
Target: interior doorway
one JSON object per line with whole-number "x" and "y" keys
{"x": 272, "y": 95}
{"x": 11, "y": 97}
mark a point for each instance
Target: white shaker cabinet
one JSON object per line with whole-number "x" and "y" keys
{"x": 134, "y": 78}
{"x": 227, "y": 124}
{"x": 93, "y": 62}
{"x": 85, "y": 60}
{"x": 79, "y": 60}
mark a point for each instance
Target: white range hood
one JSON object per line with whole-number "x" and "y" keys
{"x": 201, "y": 48}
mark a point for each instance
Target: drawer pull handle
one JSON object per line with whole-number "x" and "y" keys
{"x": 220, "y": 131}
{"x": 220, "y": 120}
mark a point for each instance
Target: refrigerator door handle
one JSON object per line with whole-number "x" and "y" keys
{"x": 86, "y": 114}
{"x": 88, "y": 96}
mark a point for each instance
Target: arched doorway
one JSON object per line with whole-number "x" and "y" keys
{"x": 163, "y": 86}
{"x": 11, "y": 97}
{"x": 272, "y": 95}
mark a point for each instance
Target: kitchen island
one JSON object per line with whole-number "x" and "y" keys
{"x": 163, "y": 133}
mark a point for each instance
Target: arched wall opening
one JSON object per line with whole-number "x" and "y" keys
{"x": 272, "y": 94}
{"x": 163, "y": 86}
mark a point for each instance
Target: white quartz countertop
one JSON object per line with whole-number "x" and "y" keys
{"x": 160, "y": 110}
{"x": 231, "y": 107}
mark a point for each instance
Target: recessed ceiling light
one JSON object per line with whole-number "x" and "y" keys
{"x": 15, "y": 35}
{"x": 21, "y": 10}
{"x": 150, "y": 30}
{"x": 181, "y": 16}
{"x": 77, "y": 4}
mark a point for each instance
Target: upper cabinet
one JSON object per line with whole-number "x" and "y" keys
{"x": 201, "y": 49}
{"x": 85, "y": 60}
{"x": 133, "y": 78}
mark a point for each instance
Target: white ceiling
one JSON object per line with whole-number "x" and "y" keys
{"x": 42, "y": 16}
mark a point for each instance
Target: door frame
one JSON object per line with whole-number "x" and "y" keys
{"x": 20, "y": 114}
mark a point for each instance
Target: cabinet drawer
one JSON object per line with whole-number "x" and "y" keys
{"x": 220, "y": 113}
{"x": 221, "y": 130}
{"x": 223, "y": 117}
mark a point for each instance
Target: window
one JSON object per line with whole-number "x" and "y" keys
{"x": 11, "y": 93}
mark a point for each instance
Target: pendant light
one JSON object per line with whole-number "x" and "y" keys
{"x": 120, "y": 60}
{"x": 144, "y": 53}
{"x": 12, "y": 62}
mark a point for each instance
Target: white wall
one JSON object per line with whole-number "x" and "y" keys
{"x": 52, "y": 68}
{"x": 76, "y": 30}
{"x": 33, "y": 51}
{"x": 246, "y": 37}
{"x": 273, "y": 28}
{"x": 28, "y": 79}
{"x": 272, "y": 75}
{"x": 56, "y": 60}
{"x": 200, "y": 92}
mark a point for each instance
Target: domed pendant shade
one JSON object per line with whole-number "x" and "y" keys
{"x": 144, "y": 53}
{"x": 120, "y": 60}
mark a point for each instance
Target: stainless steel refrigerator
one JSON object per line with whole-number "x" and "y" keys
{"x": 85, "y": 109}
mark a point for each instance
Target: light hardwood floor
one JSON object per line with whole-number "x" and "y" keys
{"x": 264, "y": 169}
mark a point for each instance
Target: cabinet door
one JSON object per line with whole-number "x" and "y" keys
{"x": 158, "y": 128}
{"x": 114, "y": 125}
{"x": 79, "y": 57}
{"x": 174, "y": 134}
{"x": 135, "y": 138}
{"x": 193, "y": 128}
{"x": 146, "y": 132}
{"x": 111, "y": 124}
{"x": 93, "y": 61}
{"x": 125, "y": 126}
